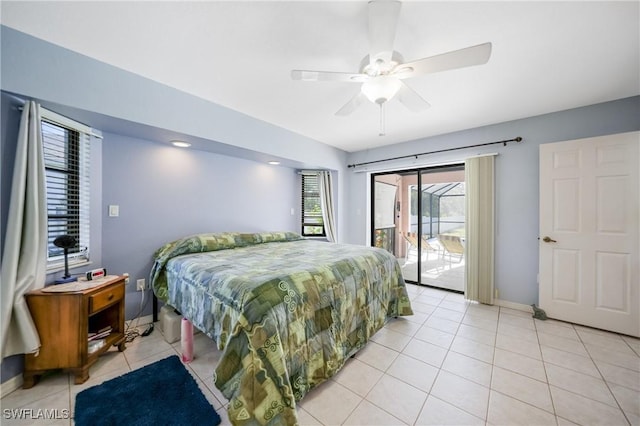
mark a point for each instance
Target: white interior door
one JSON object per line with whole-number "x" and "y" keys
{"x": 589, "y": 232}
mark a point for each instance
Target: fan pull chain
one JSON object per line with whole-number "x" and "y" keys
{"x": 382, "y": 131}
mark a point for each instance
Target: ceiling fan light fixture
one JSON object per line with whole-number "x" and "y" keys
{"x": 380, "y": 89}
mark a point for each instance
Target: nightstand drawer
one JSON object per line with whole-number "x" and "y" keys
{"x": 105, "y": 298}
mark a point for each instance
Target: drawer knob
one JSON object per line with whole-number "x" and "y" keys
{"x": 110, "y": 296}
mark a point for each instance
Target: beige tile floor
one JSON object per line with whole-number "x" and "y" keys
{"x": 453, "y": 363}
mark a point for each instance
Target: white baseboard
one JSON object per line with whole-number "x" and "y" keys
{"x": 10, "y": 385}
{"x": 513, "y": 305}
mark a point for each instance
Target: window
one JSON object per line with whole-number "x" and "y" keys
{"x": 66, "y": 160}
{"x": 312, "y": 223}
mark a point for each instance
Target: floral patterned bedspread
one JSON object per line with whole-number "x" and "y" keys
{"x": 285, "y": 314}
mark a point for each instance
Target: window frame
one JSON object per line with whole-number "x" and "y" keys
{"x": 306, "y": 195}
{"x": 77, "y": 167}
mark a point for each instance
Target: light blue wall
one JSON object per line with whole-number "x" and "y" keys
{"x": 38, "y": 69}
{"x": 10, "y": 119}
{"x": 117, "y": 101}
{"x": 517, "y": 189}
{"x": 165, "y": 193}
{"x": 152, "y": 182}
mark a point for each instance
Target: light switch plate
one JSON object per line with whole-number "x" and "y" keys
{"x": 114, "y": 210}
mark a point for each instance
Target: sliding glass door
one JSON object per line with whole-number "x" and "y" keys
{"x": 442, "y": 232}
{"x": 414, "y": 214}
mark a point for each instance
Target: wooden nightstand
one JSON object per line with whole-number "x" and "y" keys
{"x": 64, "y": 321}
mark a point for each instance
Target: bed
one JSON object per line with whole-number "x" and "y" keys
{"x": 285, "y": 312}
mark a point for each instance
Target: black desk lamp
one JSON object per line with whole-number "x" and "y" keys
{"x": 65, "y": 242}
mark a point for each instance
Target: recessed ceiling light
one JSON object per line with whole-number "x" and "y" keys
{"x": 274, "y": 163}
{"x": 181, "y": 144}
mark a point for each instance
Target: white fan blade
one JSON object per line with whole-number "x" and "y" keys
{"x": 305, "y": 75}
{"x": 383, "y": 19}
{"x": 410, "y": 98}
{"x": 469, "y": 56}
{"x": 351, "y": 106}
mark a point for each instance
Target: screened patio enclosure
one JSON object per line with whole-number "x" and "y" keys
{"x": 443, "y": 207}
{"x": 419, "y": 216}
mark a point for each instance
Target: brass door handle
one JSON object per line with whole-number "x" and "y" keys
{"x": 549, "y": 240}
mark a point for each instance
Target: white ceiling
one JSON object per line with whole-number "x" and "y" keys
{"x": 547, "y": 56}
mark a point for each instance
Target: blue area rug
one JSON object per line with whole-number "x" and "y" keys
{"x": 162, "y": 393}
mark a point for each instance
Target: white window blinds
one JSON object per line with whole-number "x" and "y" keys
{"x": 66, "y": 146}
{"x": 312, "y": 222}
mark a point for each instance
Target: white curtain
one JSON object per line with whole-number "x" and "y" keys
{"x": 479, "y": 233}
{"x": 24, "y": 258}
{"x": 326, "y": 200}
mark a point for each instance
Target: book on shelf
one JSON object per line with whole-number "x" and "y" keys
{"x": 94, "y": 345}
{"x": 103, "y": 332}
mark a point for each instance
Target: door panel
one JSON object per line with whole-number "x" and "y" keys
{"x": 565, "y": 205}
{"x": 566, "y": 278}
{"x": 611, "y": 204}
{"x": 613, "y": 285}
{"x": 589, "y": 265}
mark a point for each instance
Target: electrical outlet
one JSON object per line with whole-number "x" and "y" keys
{"x": 140, "y": 284}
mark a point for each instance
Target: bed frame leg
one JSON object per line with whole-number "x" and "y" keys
{"x": 155, "y": 308}
{"x": 186, "y": 340}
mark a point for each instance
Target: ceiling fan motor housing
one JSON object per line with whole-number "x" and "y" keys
{"x": 383, "y": 70}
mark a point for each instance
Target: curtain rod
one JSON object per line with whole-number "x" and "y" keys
{"x": 505, "y": 142}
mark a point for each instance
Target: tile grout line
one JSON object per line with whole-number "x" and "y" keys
{"x": 493, "y": 363}
{"x": 428, "y": 393}
{"x": 606, "y": 383}
{"x": 435, "y": 379}
{"x": 546, "y": 375}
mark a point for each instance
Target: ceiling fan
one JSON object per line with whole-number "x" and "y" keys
{"x": 383, "y": 69}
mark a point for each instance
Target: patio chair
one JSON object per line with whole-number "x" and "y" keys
{"x": 412, "y": 243}
{"x": 430, "y": 244}
{"x": 452, "y": 245}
